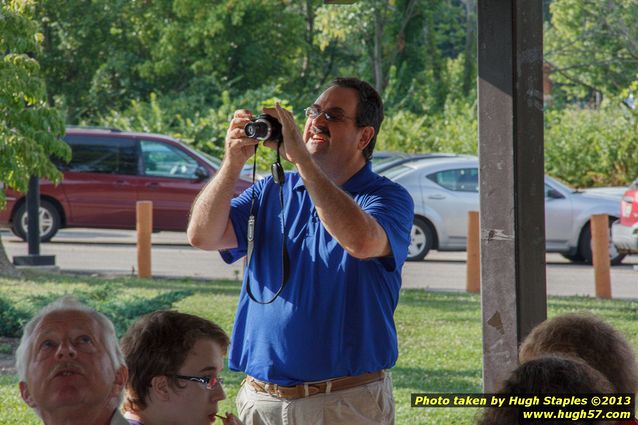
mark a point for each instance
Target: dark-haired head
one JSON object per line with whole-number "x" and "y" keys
{"x": 590, "y": 338}
{"x": 547, "y": 375}
{"x": 369, "y": 108}
{"x": 157, "y": 344}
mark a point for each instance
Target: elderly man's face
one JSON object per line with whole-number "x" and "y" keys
{"x": 69, "y": 367}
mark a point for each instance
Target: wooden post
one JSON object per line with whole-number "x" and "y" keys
{"x": 473, "y": 278}
{"x": 144, "y": 210}
{"x": 600, "y": 253}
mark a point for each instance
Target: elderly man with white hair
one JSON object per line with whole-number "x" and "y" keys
{"x": 70, "y": 366}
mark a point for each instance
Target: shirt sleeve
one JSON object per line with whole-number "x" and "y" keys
{"x": 239, "y": 214}
{"x": 393, "y": 208}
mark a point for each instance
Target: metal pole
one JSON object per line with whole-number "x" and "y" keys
{"x": 33, "y": 259}
{"x": 33, "y": 213}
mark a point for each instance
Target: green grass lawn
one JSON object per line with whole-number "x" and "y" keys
{"x": 439, "y": 336}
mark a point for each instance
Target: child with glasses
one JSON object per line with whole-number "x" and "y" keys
{"x": 174, "y": 361}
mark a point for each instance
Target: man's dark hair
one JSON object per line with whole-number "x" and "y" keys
{"x": 547, "y": 375}
{"x": 369, "y": 108}
{"x": 157, "y": 345}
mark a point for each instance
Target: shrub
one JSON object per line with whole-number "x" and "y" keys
{"x": 452, "y": 130}
{"x": 11, "y": 319}
{"x": 103, "y": 298}
{"x": 124, "y": 312}
{"x": 592, "y": 147}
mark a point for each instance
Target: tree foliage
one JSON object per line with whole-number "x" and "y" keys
{"x": 181, "y": 67}
{"x": 592, "y": 147}
{"x": 89, "y": 55}
{"x": 101, "y": 55}
{"x": 29, "y": 129}
{"x": 405, "y": 46}
{"x": 592, "y": 46}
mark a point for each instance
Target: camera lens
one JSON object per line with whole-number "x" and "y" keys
{"x": 264, "y": 127}
{"x": 259, "y": 130}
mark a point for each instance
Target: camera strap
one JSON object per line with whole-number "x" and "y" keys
{"x": 279, "y": 178}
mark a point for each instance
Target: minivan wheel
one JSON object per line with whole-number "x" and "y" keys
{"x": 421, "y": 240}
{"x": 49, "y": 221}
{"x": 584, "y": 246}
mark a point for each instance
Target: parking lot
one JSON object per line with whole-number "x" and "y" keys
{"x": 114, "y": 252}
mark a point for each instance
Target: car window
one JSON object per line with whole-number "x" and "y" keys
{"x": 384, "y": 160}
{"x": 101, "y": 154}
{"x": 550, "y": 192}
{"x": 394, "y": 172}
{"x": 164, "y": 160}
{"x": 458, "y": 180}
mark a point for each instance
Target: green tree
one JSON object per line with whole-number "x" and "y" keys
{"x": 403, "y": 47}
{"x": 90, "y": 56}
{"x": 202, "y": 48}
{"x": 101, "y": 55}
{"x": 592, "y": 147}
{"x": 592, "y": 46}
{"x": 29, "y": 129}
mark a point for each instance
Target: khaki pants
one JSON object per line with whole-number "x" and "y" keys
{"x": 363, "y": 405}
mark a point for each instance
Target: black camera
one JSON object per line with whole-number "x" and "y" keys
{"x": 264, "y": 127}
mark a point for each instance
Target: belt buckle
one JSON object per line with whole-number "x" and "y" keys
{"x": 274, "y": 390}
{"x": 269, "y": 388}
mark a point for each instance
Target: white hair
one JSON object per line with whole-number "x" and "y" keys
{"x": 67, "y": 303}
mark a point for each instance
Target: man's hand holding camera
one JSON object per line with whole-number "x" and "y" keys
{"x": 239, "y": 147}
{"x": 293, "y": 149}
{"x": 246, "y": 131}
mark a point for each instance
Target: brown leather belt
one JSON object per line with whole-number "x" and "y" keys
{"x": 312, "y": 388}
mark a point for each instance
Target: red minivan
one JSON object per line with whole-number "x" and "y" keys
{"x": 624, "y": 232}
{"x": 109, "y": 172}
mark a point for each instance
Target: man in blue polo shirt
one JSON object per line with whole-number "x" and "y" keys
{"x": 314, "y": 329}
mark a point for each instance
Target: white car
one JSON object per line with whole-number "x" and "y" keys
{"x": 446, "y": 189}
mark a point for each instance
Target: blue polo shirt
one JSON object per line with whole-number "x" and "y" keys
{"x": 335, "y": 316}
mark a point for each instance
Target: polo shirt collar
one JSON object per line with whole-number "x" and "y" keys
{"x": 358, "y": 182}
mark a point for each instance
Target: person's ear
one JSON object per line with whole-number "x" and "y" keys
{"x": 366, "y": 135}
{"x": 160, "y": 387}
{"x": 26, "y": 395}
{"x": 121, "y": 376}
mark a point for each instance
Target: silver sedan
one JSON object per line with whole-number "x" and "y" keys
{"x": 446, "y": 189}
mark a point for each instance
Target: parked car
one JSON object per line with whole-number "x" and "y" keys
{"x": 382, "y": 161}
{"x": 385, "y": 157}
{"x": 615, "y": 192}
{"x": 446, "y": 189}
{"x": 624, "y": 232}
{"x": 110, "y": 170}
